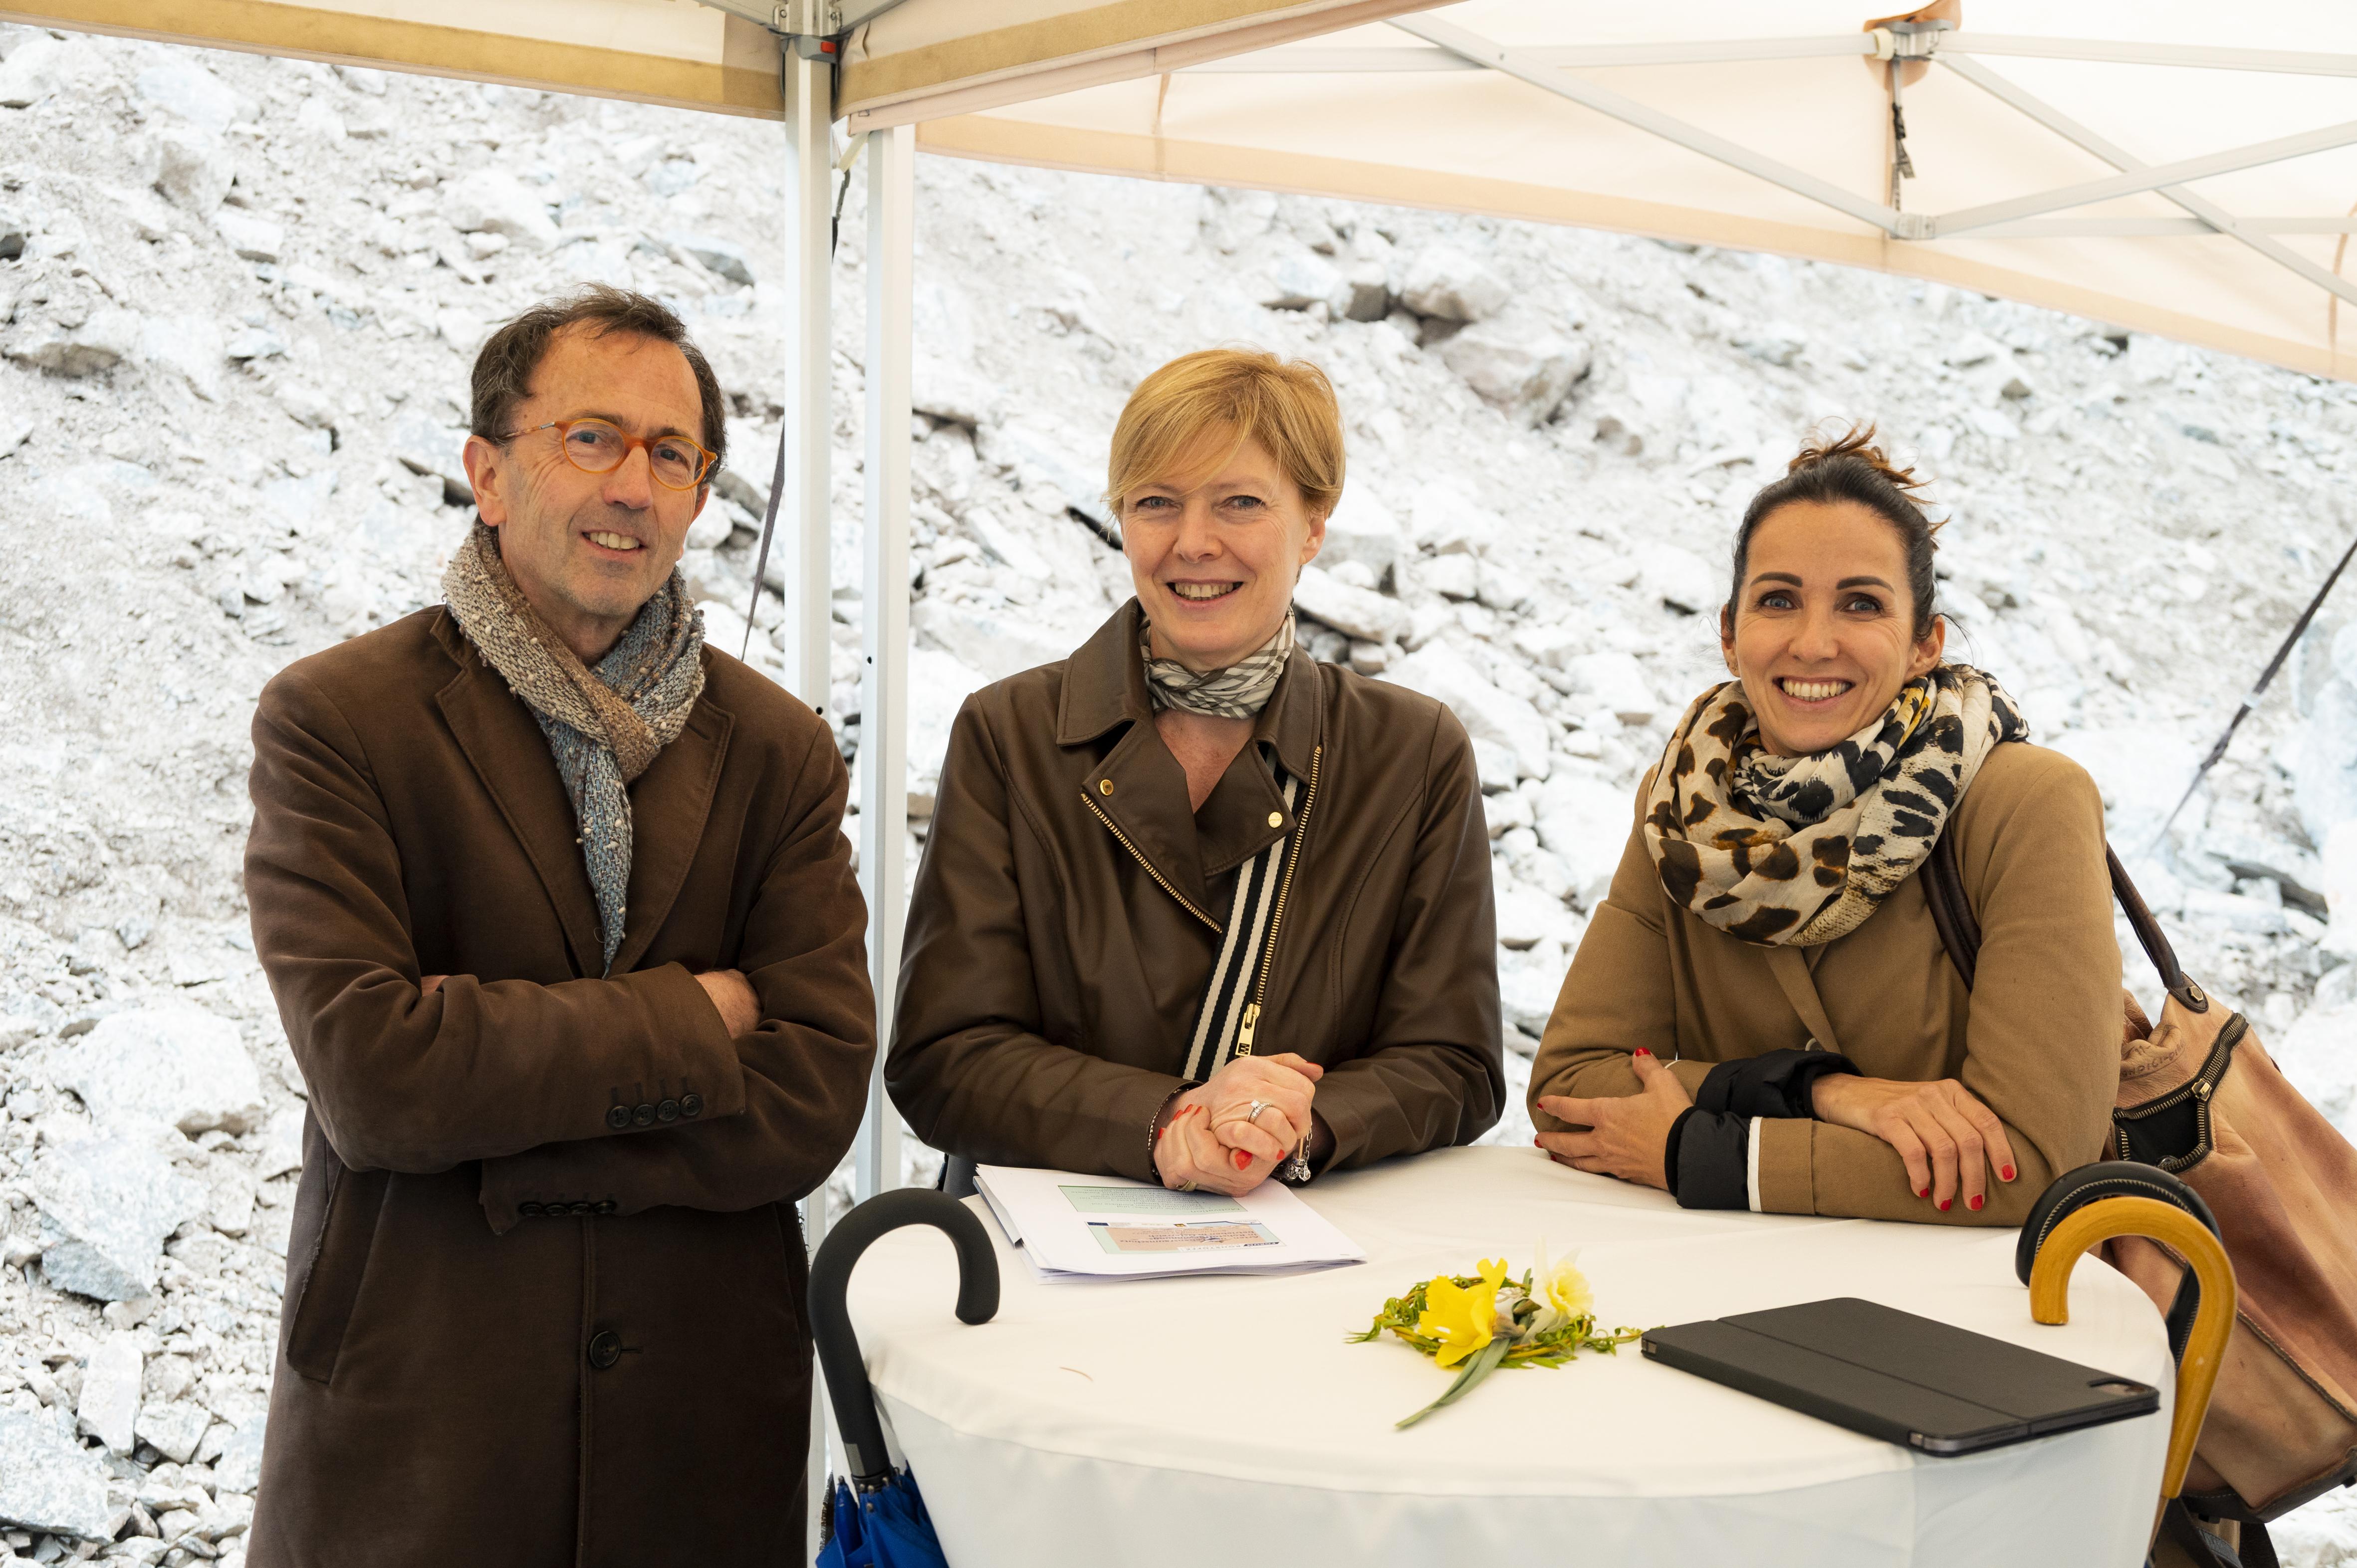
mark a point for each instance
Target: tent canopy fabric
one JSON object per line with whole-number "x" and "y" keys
{"x": 2175, "y": 167}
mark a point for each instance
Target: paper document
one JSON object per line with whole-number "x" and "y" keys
{"x": 1069, "y": 1225}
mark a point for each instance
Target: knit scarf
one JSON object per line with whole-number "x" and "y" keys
{"x": 604, "y": 725}
{"x": 1237, "y": 691}
{"x": 1796, "y": 851}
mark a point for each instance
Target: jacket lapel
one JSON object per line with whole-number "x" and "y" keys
{"x": 504, "y": 744}
{"x": 669, "y": 805}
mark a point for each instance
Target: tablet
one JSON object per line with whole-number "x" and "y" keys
{"x": 1890, "y": 1374}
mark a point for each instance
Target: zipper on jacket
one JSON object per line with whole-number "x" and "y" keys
{"x": 1160, "y": 879}
{"x": 1250, "y": 1023}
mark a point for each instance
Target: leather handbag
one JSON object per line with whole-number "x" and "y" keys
{"x": 2201, "y": 1099}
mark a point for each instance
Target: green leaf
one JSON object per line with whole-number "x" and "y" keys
{"x": 1483, "y": 1362}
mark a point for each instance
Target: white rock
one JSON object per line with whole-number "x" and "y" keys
{"x": 1355, "y": 611}
{"x": 184, "y": 87}
{"x": 1505, "y": 812}
{"x": 425, "y": 445}
{"x": 997, "y": 643}
{"x": 34, "y": 71}
{"x": 712, "y": 526}
{"x": 1360, "y": 530}
{"x": 1615, "y": 681}
{"x": 174, "y": 1429}
{"x": 1005, "y": 544}
{"x": 189, "y": 345}
{"x": 1453, "y": 576}
{"x": 254, "y": 343}
{"x": 1527, "y": 918}
{"x": 1976, "y": 349}
{"x": 254, "y": 238}
{"x": 192, "y": 171}
{"x": 282, "y": 1145}
{"x": 185, "y": 1069}
{"x": 2318, "y": 1056}
{"x": 945, "y": 390}
{"x": 1303, "y": 279}
{"x": 494, "y": 202}
{"x": 1442, "y": 673}
{"x": 723, "y": 258}
{"x": 1682, "y": 579}
{"x": 106, "y": 1203}
{"x": 239, "y": 1468}
{"x": 1498, "y": 769}
{"x": 1366, "y": 285}
{"x": 938, "y": 684}
{"x": 1447, "y": 283}
{"x": 1525, "y": 368}
{"x": 1773, "y": 342}
{"x": 48, "y": 1482}
{"x": 108, "y": 1407}
{"x": 1553, "y": 646}
{"x": 1585, "y": 822}
{"x": 1446, "y": 522}
{"x": 1528, "y": 988}
{"x": 100, "y": 343}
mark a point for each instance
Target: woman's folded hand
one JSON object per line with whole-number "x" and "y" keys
{"x": 1624, "y": 1135}
{"x": 1212, "y": 1136}
{"x": 1951, "y": 1142}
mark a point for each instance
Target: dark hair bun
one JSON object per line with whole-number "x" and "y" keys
{"x": 1856, "y": 443}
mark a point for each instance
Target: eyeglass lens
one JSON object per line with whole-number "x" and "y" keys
{"x": 598, "y": 448}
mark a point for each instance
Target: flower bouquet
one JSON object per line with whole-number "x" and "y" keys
{"x": 1485, "y": 1321}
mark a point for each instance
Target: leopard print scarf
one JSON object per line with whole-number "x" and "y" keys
{"x": 1796, "y": 851}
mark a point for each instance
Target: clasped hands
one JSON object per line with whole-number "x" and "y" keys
{"x": 1208, "y": 1138}
{"x": 1952, "y": 1143}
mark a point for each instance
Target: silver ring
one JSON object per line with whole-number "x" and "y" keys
{"x": 1257, "y": 1107}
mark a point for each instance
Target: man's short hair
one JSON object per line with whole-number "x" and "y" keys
{"x": 504, "y": 368}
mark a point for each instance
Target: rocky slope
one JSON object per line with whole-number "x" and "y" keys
{"x": 238, "y": 299}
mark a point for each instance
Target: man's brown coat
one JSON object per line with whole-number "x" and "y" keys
{"x": 545, "y": 1291}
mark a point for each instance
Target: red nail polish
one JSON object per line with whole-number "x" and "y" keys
{"x": 1239, "y": 1159}
{"x": 1976, "y": 1202}
{"x": 2007, "y": 1174}
{"x": 1946, "y": 1204}
{"x": 1922, "y": 1192}
{"x": 1644, "y": 1052}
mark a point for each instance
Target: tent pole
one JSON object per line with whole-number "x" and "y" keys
{"x": 809, "y": 87}
{"x": 884, "y": 678}
{"x": 2149, "y": 176}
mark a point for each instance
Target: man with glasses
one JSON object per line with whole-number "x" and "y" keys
{"x": 561, "y": 919}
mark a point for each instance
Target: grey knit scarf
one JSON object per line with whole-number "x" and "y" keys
{"x": 604, "y": 726}
{"x": 1237, "y": 691}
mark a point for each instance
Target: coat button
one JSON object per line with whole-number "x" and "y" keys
{"x": 1276, "y": 818}
{"x": 608, "y": 1205}
{"x": 530, "y": 1210}
{"x": 691, "y": 1105}
{"x": 667, "y": 1111}
{"x": 644, "y": 1116}
{"x": 585, "y": 1208}
{"x": 619, "y": 1117}
{"x": 1104, "y": 786}
{"x": 604, "y": 1349}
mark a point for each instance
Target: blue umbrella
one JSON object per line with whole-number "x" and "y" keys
{"x": 877, "y": 1519}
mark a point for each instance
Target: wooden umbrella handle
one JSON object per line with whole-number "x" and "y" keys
{"x": 2205, "y": 1346}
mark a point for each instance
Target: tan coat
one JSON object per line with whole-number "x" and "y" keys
{"x": 1052, "y": 971}
{"x": 543, "y": 1296}
{"x": 2037, "y": 1039}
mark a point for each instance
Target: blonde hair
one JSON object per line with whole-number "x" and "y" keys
{"x": 1287, "y": 406}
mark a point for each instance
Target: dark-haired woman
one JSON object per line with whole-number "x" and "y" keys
{"x": 1762, "y": 1015}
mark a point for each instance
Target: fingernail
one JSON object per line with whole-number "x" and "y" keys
{"x": 1975, "y": 1201}
{"x": 1922, "y": 1192}
{"x": 1644, "y": 1052}
{"x": 2007, "y": 1174}
{"x": 1946, "y": 1204}
{"x": 1240, "y": 1160}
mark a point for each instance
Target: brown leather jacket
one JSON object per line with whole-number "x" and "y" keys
{"x": 1068, "y": 913}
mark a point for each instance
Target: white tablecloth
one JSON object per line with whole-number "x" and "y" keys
{"x": 1219, "y": 1420}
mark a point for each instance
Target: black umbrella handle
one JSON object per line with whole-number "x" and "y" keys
{"x": 848, "y": 1387}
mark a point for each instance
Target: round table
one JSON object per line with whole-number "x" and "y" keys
{"x": 1223, "y": 1419}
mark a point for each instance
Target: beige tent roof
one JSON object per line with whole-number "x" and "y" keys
{"x": 1767, "y": 127}
{"x": 721, "y": 56}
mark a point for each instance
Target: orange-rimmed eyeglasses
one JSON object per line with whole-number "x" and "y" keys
{"x": 598, "y": 447}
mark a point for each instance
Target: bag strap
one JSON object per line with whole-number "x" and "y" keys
{"x": 1960, "y": 932}
{"x": 1219, "y": 1019}
{"x": 2198, "y": 1545}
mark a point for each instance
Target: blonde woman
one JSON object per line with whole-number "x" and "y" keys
{"x": 1116, "y": 833}
{"x": 1762, "y": 1015}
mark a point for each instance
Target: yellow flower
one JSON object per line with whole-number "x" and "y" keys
{"x": 1462, "y": 1318}
{"x": 1563, "y": 1289}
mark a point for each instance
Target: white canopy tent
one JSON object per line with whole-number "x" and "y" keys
{"x": 2169, "y": 166}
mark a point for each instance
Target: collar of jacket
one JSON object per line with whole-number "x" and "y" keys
{"x": 1105, "y": 691}
{"x": 669, "y": 801}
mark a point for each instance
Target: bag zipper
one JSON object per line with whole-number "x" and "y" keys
{"x": 2198, "y": 1088}
{"x": 1161, "y": 881}
{"x": 1251, "y": 1022}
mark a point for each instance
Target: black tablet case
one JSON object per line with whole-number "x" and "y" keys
{"x": 1890, "y": 1374}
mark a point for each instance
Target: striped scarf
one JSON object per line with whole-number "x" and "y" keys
{"x": 604, "y": 726}
{"x": 1235, "y": 691}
